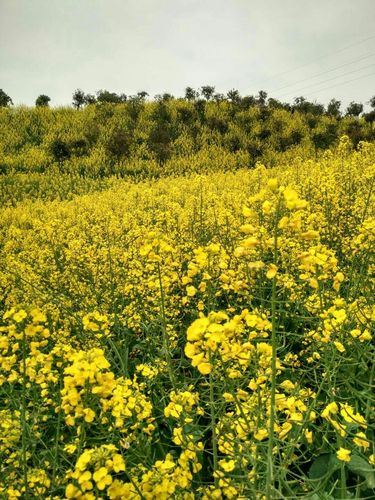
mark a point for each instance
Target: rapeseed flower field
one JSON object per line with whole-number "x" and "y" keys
{"x": 201, "y": 335}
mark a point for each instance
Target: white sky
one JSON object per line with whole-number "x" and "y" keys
{"x": 55, "y": 46}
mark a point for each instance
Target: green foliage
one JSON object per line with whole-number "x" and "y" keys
{"x": 5, "y": 100}
{"x": 42, "y": 100}
{"x": 333, "y": 108}
{"x": 60, "y": 150}
{"x": 191, "y": 94}
{"x": 111, "y": 97}
{"x": 207, "y": 92}
{"x": 78, "y": 98}
{"x": 359, "y": 466}
{"x": 354, "y": 109}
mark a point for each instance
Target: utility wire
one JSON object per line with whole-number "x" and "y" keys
{"x": 342, "y": 83}
{"x": 325, "y": 81}
{"x": 324, "y": 72}
{"x": 315, "y": 59}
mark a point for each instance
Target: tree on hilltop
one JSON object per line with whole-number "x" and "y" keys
{"x": 42, "y": 101}
{"x": 207, "y": 92}
{"x": 262, "y": 97}
{"x": 370, "y": 116}
{"x": 90, "y": 99}
{"x": 5, "y": 100}
{"x": 191, "y": 94}
{"x": 78, "y": 98}
{"x": 333, "y": 108}
{"x": 106, "y": 96}
{"x": 234, "y": 96}
{"x": 142, "y": 95}
{"x": 354, "y": 109}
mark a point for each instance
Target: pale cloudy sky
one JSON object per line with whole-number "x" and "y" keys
{"x": 316, "y": 48}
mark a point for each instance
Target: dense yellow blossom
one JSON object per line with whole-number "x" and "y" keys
{"x": 182, "y": 337}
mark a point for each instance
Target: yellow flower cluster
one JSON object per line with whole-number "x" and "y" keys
{"x": 333, "y": 411}
{"x": 167, "y": 478}
{"x": 94, "y": 471}
{"x": 221, "y": 341}
{"x": 10, "y": 434}
{"x": 184, "y": 408}
{"x": 88, "y": 384}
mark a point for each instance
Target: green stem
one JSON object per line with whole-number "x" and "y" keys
{"x": 270, "y": 469}
{"x": 370, "y": 400}
{"x": 213, "y": 423}
{"x": 23, "y": 414}
{"x": 164, "y": 331}
{"x": 343, "y": 493}
{"x": 270, "y": 466}
{"x": 57, "y": 439}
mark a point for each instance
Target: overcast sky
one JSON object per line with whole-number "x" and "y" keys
{"x": 316, "y": 48}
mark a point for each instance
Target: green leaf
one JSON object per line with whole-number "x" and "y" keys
{"x": 360, "y": 466}
{"x": 321, "y": 466}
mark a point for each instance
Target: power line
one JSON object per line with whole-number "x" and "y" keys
{"x": 324, "y": 72}
{"x": 324, "y": 81}
{"x": 316, "y": 59}
{"x": 342, "y": 83}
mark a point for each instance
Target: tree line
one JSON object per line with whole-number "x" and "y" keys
{"x": 208, "y": 93}
{"x": 110, "y": 134}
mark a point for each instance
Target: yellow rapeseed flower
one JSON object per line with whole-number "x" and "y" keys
{"x": 271, "y": 272}
{"x": 343, "y": 454}
{"x": 227, "y": 465}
